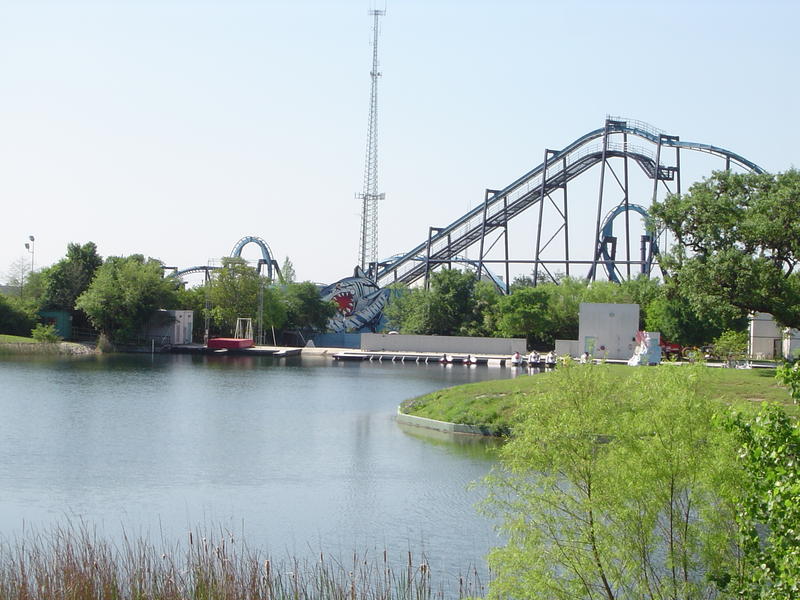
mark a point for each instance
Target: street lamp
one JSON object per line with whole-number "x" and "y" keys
{"x": 30, "y": 248}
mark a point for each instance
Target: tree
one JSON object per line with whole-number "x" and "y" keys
{"x": 674, "y": 316}
{"x": 768, "y": 505}
{"x": 14, "y": 318}
{"x": 233, "y": 294}
{"x": 17, "y": 273}
{"x": 523, "y": 313}
{"x": 124, "y": 294}
{"x": 731, "y": 345}
{"x": 452, "y": 300}
{"x": 305, "y": 309}
{"x": 483, "y": 321}
{"x": 563, "y": 307}
{"x": 789, "y": 375}
{"x": 273, "y": 310}
{"x": 447, "y": 308}
{"x": 611, "y": 492}
{"x": 287, "y": 271}
{"x": 738, "y": 244}
{"x": 70, "y": 277}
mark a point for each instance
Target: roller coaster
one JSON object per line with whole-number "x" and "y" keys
{"x": 545, "y": 187}
{"x": 267, "y": 260}
{"x": 629, "y": 141}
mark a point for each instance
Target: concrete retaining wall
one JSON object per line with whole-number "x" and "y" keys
{"x": 571, "y": 347}
{"x": 376, "y": 342}
{"x": 441, "y": 425}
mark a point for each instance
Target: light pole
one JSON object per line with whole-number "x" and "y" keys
{"x": 30, "y": 248}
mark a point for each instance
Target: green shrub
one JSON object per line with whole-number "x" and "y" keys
{"x": 45, "y": 334}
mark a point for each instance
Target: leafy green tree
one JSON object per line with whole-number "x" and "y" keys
{"x": 399, "y": 308}
{"x": 233, "y": 294}
{"x": 483, "y": 321}
{"x": 287, "y": 271}
{"x": 738, "y": 244}
{"x": 563, "y": 307}
{"x": 451, "y": 301}
{"x": 305, "y": 309}
{"x": 769, "y": 505}
{"x": 523, "y": 313}
{"x": 273, "y": 311}
{"x": 789, "y": 375}
{"x": 14, "y": 318}
{"x": 45, "y": 334}
{"x": 610, "y": 492}
{"x": 70, "y": 277}
{"x": 731, "y": 345}
{"x": 124, "y": 294}
{"x": 447, "y": 308}
{"x": 673, "y": 315}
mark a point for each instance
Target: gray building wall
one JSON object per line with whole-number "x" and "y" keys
{"x": 608, "y": 330}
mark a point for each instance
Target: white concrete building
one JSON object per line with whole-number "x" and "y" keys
{"x": 768, "y": 340}
{"x": 171, "y": 327}
{"x": 608, "y": 330}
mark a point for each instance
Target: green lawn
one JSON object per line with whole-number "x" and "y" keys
{"x": 493, "y": 403}
{"x": 9, "y": 339}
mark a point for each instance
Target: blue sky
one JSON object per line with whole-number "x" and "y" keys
{"x": 174, "y": 128}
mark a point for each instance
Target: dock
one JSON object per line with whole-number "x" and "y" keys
{"x": 429, "y": 358}
{"x": 273, "y": 351}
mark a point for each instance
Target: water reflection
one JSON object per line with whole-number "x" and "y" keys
{"x": 303, "y": 454}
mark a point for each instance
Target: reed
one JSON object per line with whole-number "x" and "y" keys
{"x": 74, "y": 563}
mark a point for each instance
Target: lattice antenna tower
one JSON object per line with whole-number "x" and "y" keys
{"x": 368, "y": 242}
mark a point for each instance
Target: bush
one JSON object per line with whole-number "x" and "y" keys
{"x": 14, "y": 318}
{"x": 45, "y": 334}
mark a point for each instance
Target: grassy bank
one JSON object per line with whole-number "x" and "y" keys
{"x": 492, "y": 404}
{"x": 17, "y": 345}
{"x": 15, "y": 339}
{"x": 76, "y": 564}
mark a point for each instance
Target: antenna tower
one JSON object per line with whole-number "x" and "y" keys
{"x": 368, "y": 242}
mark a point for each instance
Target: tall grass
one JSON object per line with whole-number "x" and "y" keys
{"x": 74, "y": 563}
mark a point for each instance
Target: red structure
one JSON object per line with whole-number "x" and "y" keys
{"x": 230, "y": 343}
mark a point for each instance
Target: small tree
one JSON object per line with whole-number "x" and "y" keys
{"x": 789, "y": 375}
{"x": 731, "y": 345}
{"x": 769, "y": 505}
{"x": 45, "y": 334}
{"x": 611, "y": 492}
{"x": 233, "y": 293}
{"x": 305, "y": 308}
{"x": 287, "y": 271}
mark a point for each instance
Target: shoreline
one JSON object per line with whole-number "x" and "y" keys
{"x": 46, "y": 349}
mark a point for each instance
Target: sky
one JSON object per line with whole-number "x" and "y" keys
{"x": 174, "y": 128}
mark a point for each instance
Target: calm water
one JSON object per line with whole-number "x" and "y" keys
{"x": 299, "y": 456}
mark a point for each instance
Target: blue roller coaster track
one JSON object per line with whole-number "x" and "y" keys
{"x": 266, "y": 259}
{"x": 619, "y": 138}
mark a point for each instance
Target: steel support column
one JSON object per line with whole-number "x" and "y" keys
{"x": 505, "y": 239}
{"x": 486, "y": 197}
{"x": 597, "y": 241}
{"x": 656, "y": 178}
{"x": 627, "y": 215}
{"x": 566, "y": 219}
{"x": 428, "y": 258}
{"x": 541, "y": 214}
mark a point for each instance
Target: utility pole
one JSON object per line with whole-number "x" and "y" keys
{"x": 368, "y": 242}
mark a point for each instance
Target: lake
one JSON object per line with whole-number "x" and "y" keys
{"x": 299, "y": 455}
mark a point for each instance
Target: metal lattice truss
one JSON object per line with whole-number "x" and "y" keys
{"x": 626, "y": 139}
{"x": 368, "y": 241}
